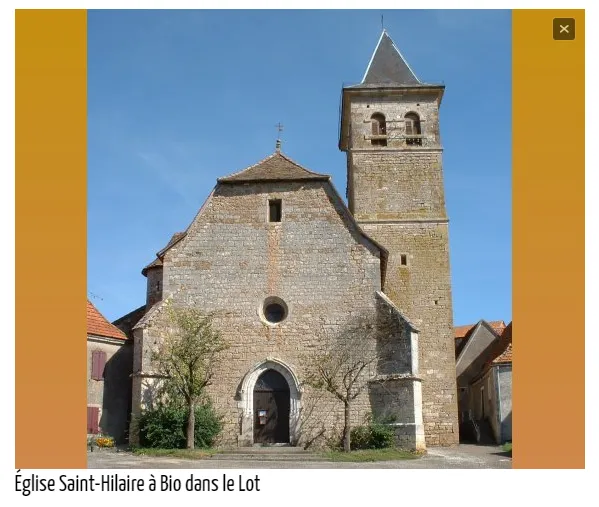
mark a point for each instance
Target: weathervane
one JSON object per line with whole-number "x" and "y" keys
{"x": 279, "y": 127}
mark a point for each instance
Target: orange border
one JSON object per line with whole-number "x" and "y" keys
{"x": 548, "y": 234}
{"x": 50, "y": 180}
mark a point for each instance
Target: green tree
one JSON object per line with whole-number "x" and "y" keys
{"x": 186, "y": 357}
{"x": 342, "y": 366}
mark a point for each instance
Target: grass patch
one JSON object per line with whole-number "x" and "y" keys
{"x": 372, "y": 455}
{"x": 507, "y": 447}
{"x": 176, "y": 453}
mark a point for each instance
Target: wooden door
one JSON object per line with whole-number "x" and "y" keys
{"x": 271, "y": 409}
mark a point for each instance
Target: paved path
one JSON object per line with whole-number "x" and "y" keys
{"x": 463, "y": 456}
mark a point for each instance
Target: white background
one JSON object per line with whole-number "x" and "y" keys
{"x": 318, "y": 487}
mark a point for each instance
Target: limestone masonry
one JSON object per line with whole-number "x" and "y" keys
{"x": 289, "y": 269}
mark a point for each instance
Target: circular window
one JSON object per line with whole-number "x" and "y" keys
{"x": 274, "y": 310}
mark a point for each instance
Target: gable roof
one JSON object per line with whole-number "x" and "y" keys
{"x": 388, "y": 66}
{"x": 275, "y": 167}
{"x": 461, "y": 331}
{"x": 500, "y": 354}
{"x": 462, "y": 334}
{"x": 278, "y": 167}
{"x": 97, "y": 324}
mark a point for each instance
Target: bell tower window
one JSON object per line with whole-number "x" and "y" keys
{"x": 413, "y": 129}
{"x": 379, "y": 129}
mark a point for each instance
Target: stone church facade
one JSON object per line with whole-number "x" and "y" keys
{"x": 288, "y": 268}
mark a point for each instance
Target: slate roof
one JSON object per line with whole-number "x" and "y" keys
{"x": 388, "y": 66}
{"x": 276, "y": 167}
{"x": 97, "y": 324}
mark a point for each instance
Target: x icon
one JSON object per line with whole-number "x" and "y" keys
{"x": 564, "y": 28}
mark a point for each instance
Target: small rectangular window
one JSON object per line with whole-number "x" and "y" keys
{"x": 274, "y": 210}
{"x": 403, "y": 260}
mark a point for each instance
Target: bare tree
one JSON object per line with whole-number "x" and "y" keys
{"x": 186, "y": 357}
{"x": 342, "y": 366}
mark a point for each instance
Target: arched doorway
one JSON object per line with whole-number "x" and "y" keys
{"x": 271, "y": 408}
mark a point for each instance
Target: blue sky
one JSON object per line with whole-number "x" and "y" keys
{"x": 179, "y": 98}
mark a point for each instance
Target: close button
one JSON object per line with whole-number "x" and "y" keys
{"x": 564, "y": 28}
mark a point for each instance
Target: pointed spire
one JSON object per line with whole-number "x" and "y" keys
{"x": 388, "y": 66}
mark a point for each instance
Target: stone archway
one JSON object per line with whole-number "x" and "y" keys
{"x": 246, "y": 403}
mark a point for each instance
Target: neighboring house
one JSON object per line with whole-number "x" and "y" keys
{"x": 286, "y": 264}
{"x": 483, "y": 358}
{"x": 109, "y": 362}
{"x": 491, "y": 391}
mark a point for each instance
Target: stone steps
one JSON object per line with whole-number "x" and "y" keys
{"x": 268, "y": 457}
{"x": 274, "y": 453}
{"x": 260, "y": 449}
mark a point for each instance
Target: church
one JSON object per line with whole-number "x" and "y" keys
{"x": 287, "y": 267}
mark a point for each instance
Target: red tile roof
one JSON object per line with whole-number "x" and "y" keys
{"x": 97, "y": 324}
{"x": 503, "y": 352}
{"x": 461, "y": 331}
{"x": 505, "y": 356}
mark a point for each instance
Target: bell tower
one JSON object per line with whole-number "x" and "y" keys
{"x": 390, "y": 132}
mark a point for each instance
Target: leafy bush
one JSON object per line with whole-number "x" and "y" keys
{"x": 372, "y": 436}
{"x": 208, "y": 424}
{"x": 165, "y": 427}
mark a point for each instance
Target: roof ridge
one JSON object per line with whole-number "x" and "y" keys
{"x": 248, "y": 167}
{"x": 404, "y": 59}
{"x": 301, "y": 166}
{"x": 275, "y": 167}
{"x": 372, "y": 56}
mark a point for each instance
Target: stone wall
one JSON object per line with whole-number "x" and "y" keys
{"x": 504, "y": 377}
{"x": 422, "y": 290}
{"x": 397, "y": 185}
{"x": 315, "y": 260}
{"x": 396, "y": 193}
{"x": 154, "y": 286}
